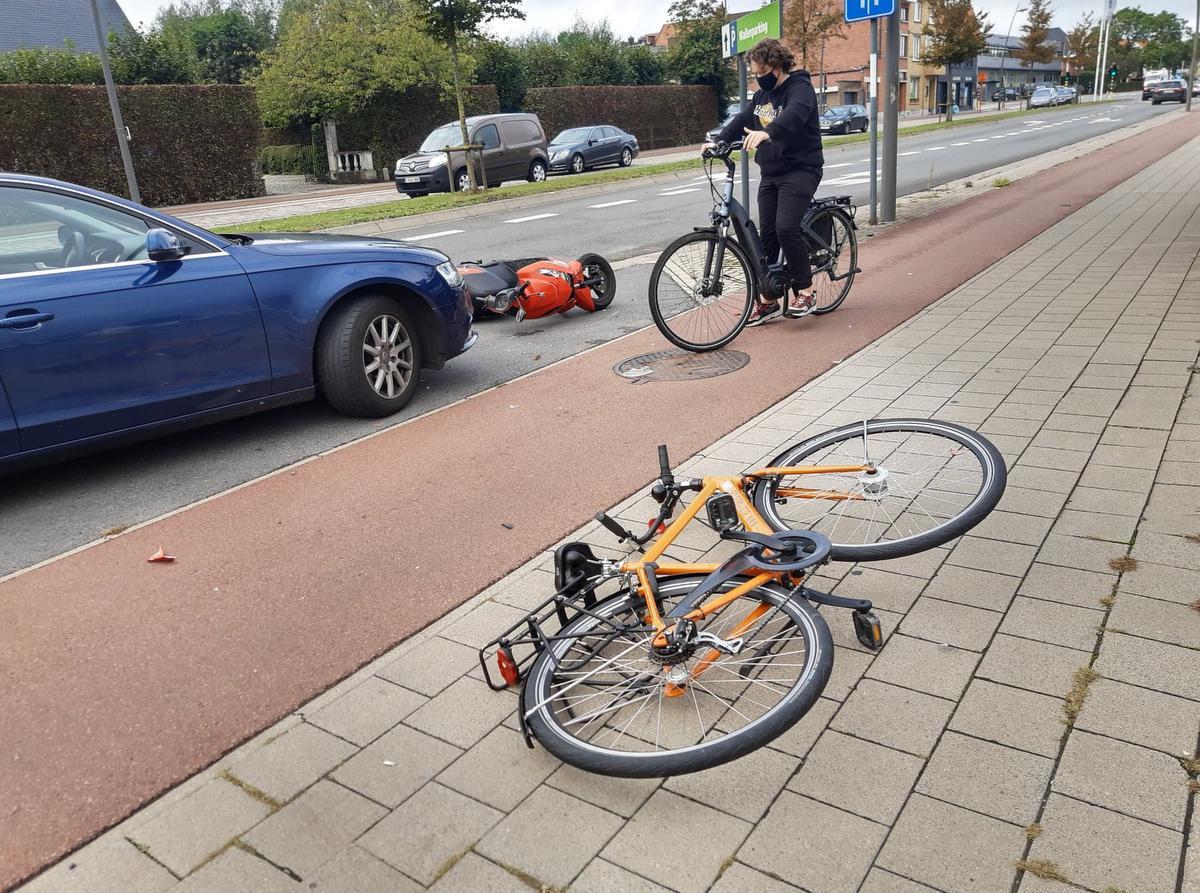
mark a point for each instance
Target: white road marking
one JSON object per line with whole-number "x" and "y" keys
{"x": 528, "y": 219}
{"x": 982, "y": 140}
{"x": 935, "y": 148}
{"x": 624, "y": 201}
{"x": 960, "y": 144}
{"x": 448, "y": 232}
{"x": 830, "y": 167}
{"x": 902, "y": 154}
{"x": 679, "y": 191}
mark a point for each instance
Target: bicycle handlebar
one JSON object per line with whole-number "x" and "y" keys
{"x": 722, "y": 151}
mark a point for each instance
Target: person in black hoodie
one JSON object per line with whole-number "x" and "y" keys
{"x": 781, "y": 127}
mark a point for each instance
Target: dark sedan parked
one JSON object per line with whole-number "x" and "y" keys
{"x": 1006, "y": 93}
{"x": 844, "y": 119}
{"x": 580, "y": 148}
{"x": 117, "y": 321}
{"x": 1172, "y": 90}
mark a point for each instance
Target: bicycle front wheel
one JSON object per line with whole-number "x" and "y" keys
{"x": 933, "y": 481}
{"x": 833, "y": 267}
{"x": 696, "y": 305}
{"x": 600, "y": 698}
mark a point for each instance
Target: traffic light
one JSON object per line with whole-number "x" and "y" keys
{"x": 1112, "y": 72}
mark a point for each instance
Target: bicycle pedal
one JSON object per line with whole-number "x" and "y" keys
{"x": 868, "y": 630}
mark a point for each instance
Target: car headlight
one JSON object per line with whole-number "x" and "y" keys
{"x": 399, "y": 161}
{"x": 560, "y": 155}
{"x": 438, "y": 161}
{"x": 450, "y": 273}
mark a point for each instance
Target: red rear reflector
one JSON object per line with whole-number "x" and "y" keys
{"x": 508, "y": 666}
{"x": 662, "y": 528}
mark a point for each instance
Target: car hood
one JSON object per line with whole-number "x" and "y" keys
{"x": 420, "y": 159}
{"x": 339, "y": 246}
{"x": 565, "y": 147}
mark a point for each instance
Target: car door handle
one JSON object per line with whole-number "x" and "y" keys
{"x": 24, "y": 319}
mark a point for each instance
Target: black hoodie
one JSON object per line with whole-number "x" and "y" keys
{"x": 789, "y": 116}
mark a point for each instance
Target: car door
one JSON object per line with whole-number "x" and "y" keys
{"x": 9, "y": 442}
{"x": 96, "y": 338}
{"x": 594, "y": 151}
{"x": 612, "y": 145}
{"x": 488, "y": 136}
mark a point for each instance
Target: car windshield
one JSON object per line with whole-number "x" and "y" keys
{"x": 574, "y": 135}
{"x": 838, "y": 111}
{"x": 445, "y": 136}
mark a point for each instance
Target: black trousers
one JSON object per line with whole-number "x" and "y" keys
{"x": 783, "y": 201}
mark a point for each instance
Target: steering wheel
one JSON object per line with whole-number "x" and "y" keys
{"x": 74, "y": 247}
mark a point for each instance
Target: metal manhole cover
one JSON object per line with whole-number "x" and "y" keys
{"x": 681, "y": 365}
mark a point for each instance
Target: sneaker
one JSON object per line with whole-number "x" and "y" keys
{"x": 763, "y": 313}
{"x": 800, "y": 305}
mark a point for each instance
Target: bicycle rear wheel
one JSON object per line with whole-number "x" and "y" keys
{"x": 689, "y": 314}
{"x": 934, "y": 481}
{"x": 600, "y": 699}
{"x": 840, "y": 259}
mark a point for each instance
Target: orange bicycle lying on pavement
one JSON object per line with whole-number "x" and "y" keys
{"x": 687, "y": 665}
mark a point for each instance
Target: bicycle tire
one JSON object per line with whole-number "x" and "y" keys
{"x": 979, "y": 501}
{"x": 547, "y": 724}
{"x": 736, "y": 311}
{"x": 829, "y": 300}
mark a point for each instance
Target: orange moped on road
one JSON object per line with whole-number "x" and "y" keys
{"x": 535, "y": 287}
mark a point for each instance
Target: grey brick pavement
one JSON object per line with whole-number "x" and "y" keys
{"x": 938, "y": 764}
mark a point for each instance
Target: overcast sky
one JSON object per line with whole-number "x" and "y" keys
{"x": 637, "y": 17}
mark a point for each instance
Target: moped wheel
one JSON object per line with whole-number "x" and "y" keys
{"x": 602, "y": 698}
{"x": 594, "y": 266}
{"x": 694, "y": 314}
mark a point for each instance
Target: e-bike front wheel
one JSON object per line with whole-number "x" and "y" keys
{"x": 701, "y": 296}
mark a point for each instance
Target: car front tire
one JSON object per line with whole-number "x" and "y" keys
{"x": 577, "y": 164}
{"x": 537, "y": 171}
{"x": 626, "y": 157}
{"x": 368, "y": 357}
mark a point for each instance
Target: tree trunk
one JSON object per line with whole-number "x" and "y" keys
{"x": 462, "y": 113}
{"x": 949, "y": 96}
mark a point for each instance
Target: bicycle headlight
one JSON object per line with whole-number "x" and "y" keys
{"x": 450, "y": 274}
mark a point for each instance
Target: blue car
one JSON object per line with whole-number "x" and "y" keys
{"x": 117, "y": 321}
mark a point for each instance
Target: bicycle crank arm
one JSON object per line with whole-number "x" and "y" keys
{"x": 845, "y": 275}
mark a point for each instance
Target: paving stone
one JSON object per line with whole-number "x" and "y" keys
{"x": 1107, "y": 501}
{"x": 739, "y": 878}
{"x": 1162, "y": 548}
{"x": 1130, "y": 456}
{"x": 1174, "y": 584}
{"x": 1104, "y": 850}
{"x": 990, "y": 555}
{"x": 604, "y": 877}
{"x": 1191, "y": 869}
{"x": 1140, "y": 716}
{"x": 837, "y": 852}
{"x": 1039, "y": 503}
{"x": 623, "y": 796}
{"x": 1071, "y": 586}
{"x": 1036, "y": 666}
{"x": 500, "y": 770}
{"x": 895, "y": 717}
{"x": 109, "y": 865}
{"x": 833, "y": 774}
{"x": 193, "y": 829}
{"x": 1029, "y": 477}
{"x": 989, "y": 778}
{"x": 1090, "y": 401}
{"x": 314, "y": 827}
{"x": 744, "y": 788}
{"x": 666, "y": 816}
{"x": 293, "y": 761}
{"x": 354, "y": 870}
{"x": 1062, "y": 421}
{"x": 1063, "y": 460}
{"x": 414, "y": 758}
{"x": 1079, "y": 441}
{"x": 1013, "y": 528}
{"x": 1133, "y": 437}
{"x": 925, "y": 666}
{"x": 1080, "y": 552}
{"x": 1154, "y": 665}
{"x": 966, "y": 586}
{"x": 1183, "y": 473}
{"x": 800, "y": 738}
{"x": 1173, "y": 509}
{"x": 1154, "y": 619}
{"x": 952, "y": 848}
{"x": 1092, "y": 525}
{"x": 1056, "y": 624}
{"x": 472, "y": 872}
{"x": 542, "y": 837}
{"x": 367, "y": 710}
{"x": 1011, "y": 716}
{"x": 484, "y": 623}
{"x": 881, "y": 881}
{"x": 1147, "y": 408}
{"x": 848, "y": 668}
{"x": 923, "y": 564}
{"x": 236, "y": 871}
{"x": 431, "y": 666}
{"x": 1131, "y": 480}
{"x": 464, "y": 713}
{"x": 888, "y": 591}
{"x": 947, "y": 623}
{"x": 1142, "y": 783}
{"x": 432, "y": 828}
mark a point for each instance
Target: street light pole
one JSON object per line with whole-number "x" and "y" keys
{"x": 122, "y": 143}
{"x": 1007, "y": 37}
{"x": 1190, "y": 83}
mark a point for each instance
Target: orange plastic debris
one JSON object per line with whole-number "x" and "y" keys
{"x": 160, "y": 555}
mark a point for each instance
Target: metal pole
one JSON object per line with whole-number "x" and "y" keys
{"x": 1096, "y": 66}
{"x": 873, "y": 100}
{"x": 1189, "y": 82}
{"x": 1102, "y": 68}
{"x": 891, "y": 110}
{"x": 126, "y": 158}
{"x": 745, "y": 156}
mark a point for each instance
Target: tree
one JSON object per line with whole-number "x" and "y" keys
{"x": 956, "y": 34}
{"x": 227, "y": 37}
{"x": 500, "y": 64}
{"x": 50, "y": 65}
{"x": 455, "y": 21}
{"x": 695, "y": 54}
{"x": 809, "y": 24}
{"x": 153, "y": 58}
{"x": 1083, "y": 43}
{"x": 1033, "y": 48}
{"x": 648, "y": 67}
{"x": 334, "y": 56}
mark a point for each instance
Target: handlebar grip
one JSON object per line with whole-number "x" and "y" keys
{"x": 664, "y": 463}
{"x": 614, "y": 528}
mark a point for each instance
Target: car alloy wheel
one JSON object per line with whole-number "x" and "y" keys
{"x": 577, "y": 164}
{"x": 388, "y": 357}
{"x": 626, "y": 157}
{"x": 537, "y": 172}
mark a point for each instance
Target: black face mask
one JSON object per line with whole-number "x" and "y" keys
{"x": 768, "y": 81}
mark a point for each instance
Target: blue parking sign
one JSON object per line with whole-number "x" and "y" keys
{"x": 858, "y": 10}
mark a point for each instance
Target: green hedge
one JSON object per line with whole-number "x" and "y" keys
{"x": 190, "y": 143}
{"x": 294, "y": 159}
{"x": 660, "y": 117}
{"x": 394, "y": 124}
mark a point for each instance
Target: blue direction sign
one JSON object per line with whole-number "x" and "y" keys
{"x": 859, "y": 10}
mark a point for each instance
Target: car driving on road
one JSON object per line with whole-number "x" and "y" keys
{"x": 844, "y": 119}
{"x": 581, "y": 148}
{"x": 1170, "y": 90}
{"x": 1044, "y": 97}
{"x": 117, "y": 321}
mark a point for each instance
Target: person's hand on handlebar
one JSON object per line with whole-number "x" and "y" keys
{"x": 754, "y": 139}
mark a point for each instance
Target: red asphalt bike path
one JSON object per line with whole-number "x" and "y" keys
{"x": 121, "y": 678}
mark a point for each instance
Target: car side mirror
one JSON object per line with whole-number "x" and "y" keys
{"x": 163, "y": 245}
